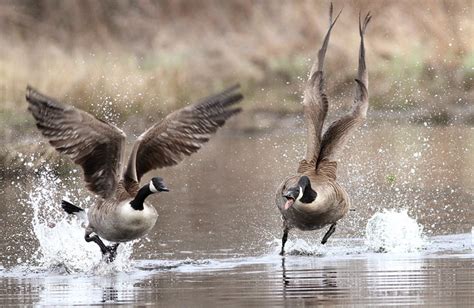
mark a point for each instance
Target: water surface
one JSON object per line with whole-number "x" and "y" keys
{"x": 217, "y": 238}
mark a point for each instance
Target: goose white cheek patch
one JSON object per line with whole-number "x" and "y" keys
{"x": 300, "y": 195}
{"x": 152, "y": 187}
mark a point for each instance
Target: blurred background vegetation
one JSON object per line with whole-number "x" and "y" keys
{"x": 144, "y": 57}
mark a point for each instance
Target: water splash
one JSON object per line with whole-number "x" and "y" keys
{"x": 300, "y": 247}
{"x": 393, "y": 231}
{"x": 472, "y": 238}
{"x": 310, "y": 245}
{"x": 62, "y": 247}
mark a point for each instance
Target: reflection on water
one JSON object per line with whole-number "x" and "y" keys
{"x": 433, "y": 277}
{"x": 220, "y": 215}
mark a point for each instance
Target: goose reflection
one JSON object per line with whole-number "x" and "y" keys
{"x": 109, "y": 295}
{"x": 80, "y": 289}
{"x": 308, "y": 282}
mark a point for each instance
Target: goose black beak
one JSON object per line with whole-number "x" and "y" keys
{"x": 159, "y": 184}
{"x": 162, "y": 187}
{"x": 290, "y": 196}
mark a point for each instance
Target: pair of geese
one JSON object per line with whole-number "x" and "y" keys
{"x": 308, "y": 200}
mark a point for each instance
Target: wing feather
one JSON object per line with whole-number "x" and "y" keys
{"x": 181, "y": 133}
{"x": 339, "y": 131}
{"x": 91, "y": 143}
{"x": 315, "y": 104}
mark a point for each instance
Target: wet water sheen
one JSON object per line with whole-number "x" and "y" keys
{"x": 408, "y": 239}
{"x": 437, "y": 277}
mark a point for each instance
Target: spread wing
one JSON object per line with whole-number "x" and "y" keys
{"x": 181, "y": 133}
{"x": 91, "y": 143}
{"x": 339, "y": 131}
{"x": 315, "y": 104}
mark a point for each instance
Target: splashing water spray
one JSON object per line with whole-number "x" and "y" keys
{"x": 62, "y": 247}
{"x": 393, "y": 231}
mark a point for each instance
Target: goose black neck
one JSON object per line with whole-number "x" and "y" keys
{"x": 309, "y": 195}
{"x": 143, "y": 193}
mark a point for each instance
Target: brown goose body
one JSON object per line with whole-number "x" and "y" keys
{"x": 312, "y": 198}
{"x": 121, "y": 213}
{"x": 331, "y": 204}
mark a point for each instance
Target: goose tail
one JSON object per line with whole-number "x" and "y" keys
{"x": 70, "y": 208}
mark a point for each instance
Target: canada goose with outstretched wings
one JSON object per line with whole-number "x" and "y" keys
{"x": 121, "y": 213}
{"x": 312, "y": 198}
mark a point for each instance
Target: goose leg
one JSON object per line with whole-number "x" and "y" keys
{"x": 283, "y": 241}
{"x": 96, "y": 239}
{"x": 331, "y": 230}
{"x": 108, "y": 252}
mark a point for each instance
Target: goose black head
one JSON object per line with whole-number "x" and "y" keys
{"x": 157, "y": 185}
{"x": 302, "y": 192}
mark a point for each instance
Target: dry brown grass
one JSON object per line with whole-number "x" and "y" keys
{"x": 143, "y": 56}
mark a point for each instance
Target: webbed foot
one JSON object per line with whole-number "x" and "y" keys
{"x": 111, "y": 253}
{"x": 108, "y": 252}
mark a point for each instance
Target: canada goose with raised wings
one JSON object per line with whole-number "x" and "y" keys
{"x": 121, "y": 213}
{"x": 312, "y": 198}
